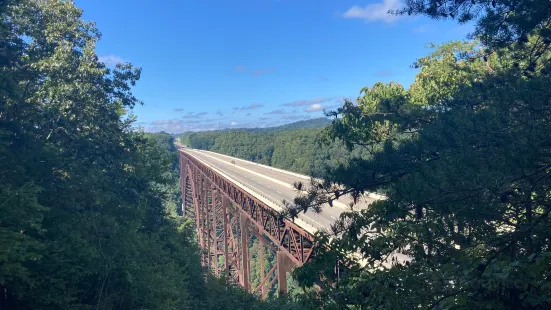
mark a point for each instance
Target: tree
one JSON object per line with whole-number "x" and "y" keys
{"x": 292, "y": 147}
{"x": 462, "y": 157}
{"x": 499, "y": 23}
{"x": 86, "y": 207}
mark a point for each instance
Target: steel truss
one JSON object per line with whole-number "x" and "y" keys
{"x": 227, "y": 217}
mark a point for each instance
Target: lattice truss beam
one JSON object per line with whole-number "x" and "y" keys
{"x": 230, "y": 220}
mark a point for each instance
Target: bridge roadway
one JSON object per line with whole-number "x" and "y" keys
{"x": 276, "y": 184}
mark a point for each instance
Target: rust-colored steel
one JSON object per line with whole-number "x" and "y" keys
{"x": 226, "y": 214}
{"x": 262, "y": 275}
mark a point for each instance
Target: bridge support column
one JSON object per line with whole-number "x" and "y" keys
{"x": 284, "y": 265}
{"x": 208, "y": 219}
{"x": 244, "y": 221}
{"x": 227, "y": 227}
{"x": 215, "y": 199}
{"x": 196, "y": 197}
{"x": 262, "y": 275}
{"x": 205, "y": 228}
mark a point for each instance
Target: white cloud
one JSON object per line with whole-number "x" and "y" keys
{"x": 167, "y": 122}
{"x": 375, "y": 11}
{"x": 280, "y": 111}
{"x": 192, "y": 115}
{"x": 249, "y": 107}
{"x": 298, "y": 103}
{"x": 111, "y": 60}
{"x": 174, "y": 127}
{"x": 183, "y": 125}
{"x": 314, "y": 108}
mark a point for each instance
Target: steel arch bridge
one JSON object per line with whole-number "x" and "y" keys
{"x": 228, "y": 217}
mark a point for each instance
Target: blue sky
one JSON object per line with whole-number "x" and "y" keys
{"x": 210, "y": 64}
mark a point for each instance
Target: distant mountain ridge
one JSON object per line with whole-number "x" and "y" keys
{"x": 311, "y": 123}
{"x": 306, "y": 124}
{"x": 294, "y": 147}
{"x": 207, "y": 139}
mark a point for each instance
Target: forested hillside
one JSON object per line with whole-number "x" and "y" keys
{"x": 87, "y": 205}
{"x": 294, "y": 147}
{"x": 311, "y": 123}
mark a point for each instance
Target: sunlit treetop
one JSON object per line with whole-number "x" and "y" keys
{"x": 498, "y": 22}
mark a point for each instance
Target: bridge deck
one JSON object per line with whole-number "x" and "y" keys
{"x": 277, "y": 185}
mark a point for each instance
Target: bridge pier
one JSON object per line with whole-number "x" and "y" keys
{"x": 262, "y": 274}
{"x": 284, "y": 265}
{"x": 215, "y": 215}
{"x": 245, "y": 251}
{"x": 225, "y": 205}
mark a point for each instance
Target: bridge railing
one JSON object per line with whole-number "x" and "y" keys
{"x": 268, "y": 200}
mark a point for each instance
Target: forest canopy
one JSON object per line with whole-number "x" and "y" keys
{"x": 295, "y": 147}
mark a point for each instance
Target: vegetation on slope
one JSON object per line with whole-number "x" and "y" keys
{"x": 294, "y": 147}
{"x": 87, "y": 205}
{"x": 311, "y": 123}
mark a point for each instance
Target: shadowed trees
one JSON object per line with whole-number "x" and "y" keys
{"x": 87, "y": 204}
{"x": 462, "y": 157}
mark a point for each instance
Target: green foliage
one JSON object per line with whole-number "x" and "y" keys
{"x": 311, "y": 123}
{"x": 499, "y": 23}
{"x": 292, "y": 147}
{"x": 462, "y": 157}
{"x": 88, "y": 207}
